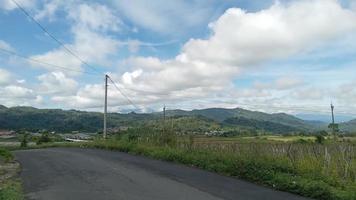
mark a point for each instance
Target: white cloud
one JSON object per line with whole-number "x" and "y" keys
{"x": 172, "y": 16}
{"x": 96, "y": 17}
{"x": 240, "y": 38}
{"x": 49, "y": 9}
{"x": 202, "y": 73}
{"x": 284, "y": 83}
{"x": 310, "y": 93}
{"x": 13, "y": 91}
{"x": 5, "y": 77}
{"x": 91, "y": 43}
{"x": 21, "y": 81}
{"x": 57, "y": 83}
{"x": 6, "y": 46}
{"x": 9, "y": 5}
{"x": 281, "y": 83}
{"x": 238, "y": 41}
{"x": 90, "y": 96}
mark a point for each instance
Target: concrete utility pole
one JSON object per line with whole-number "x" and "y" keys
{"x": 164, "y": 118}
{"x": 332, "y": 113}
{"x": 334, "y": 127}
{"x": 105, "y": 105}
{"x": 164, "y": 113}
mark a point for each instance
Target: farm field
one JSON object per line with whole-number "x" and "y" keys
{"x": 271, "y": 138}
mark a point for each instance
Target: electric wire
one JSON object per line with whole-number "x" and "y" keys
{"x": 54, "y": 38}
{"x": 123, "y": 94}
{"x": 44, "y": 63}
{"x": 93, "y": 68}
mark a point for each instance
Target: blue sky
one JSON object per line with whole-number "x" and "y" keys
{"x": 273, "y": 56}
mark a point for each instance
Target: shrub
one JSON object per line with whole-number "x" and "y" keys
{"x": 6, "y": 155}
{"x": 319, "y": 139}
{"x": 44, "y": 138}
{"x": 24, "y": 140}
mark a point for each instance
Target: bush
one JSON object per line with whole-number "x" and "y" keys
{"x": 319, "y": 139}
{"x": 11, "y": 190}
{"x": 6, "y": 155}
{"x": 44, "y": 138}
{"x": 24, "y": 140}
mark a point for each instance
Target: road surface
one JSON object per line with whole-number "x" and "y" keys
{"x": 73, "y": 173}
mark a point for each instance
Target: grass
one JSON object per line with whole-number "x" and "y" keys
{"x": 320, "y": 171}
{"x": 11, "y": 190}
{"x": 6, "y": 155}
{"x": 10, "y": 185}
{"x": 248, "y": 139}
{"x": 299, "y": 168}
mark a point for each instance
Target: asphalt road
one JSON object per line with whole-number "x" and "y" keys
{"x": 73, "y": 173}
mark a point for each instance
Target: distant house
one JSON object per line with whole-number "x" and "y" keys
{"x": 214, "y": 133}
{"x": 35, "y": 134}
{"x": 7, "y": 134}
{"x": 77, "y": 136}
{"x": 117, "y": 129}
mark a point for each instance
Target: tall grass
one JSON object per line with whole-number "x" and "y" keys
{"x": 321, "y": 171}
{"x": 309, "y": 169}
{"x": 10, "y": 185}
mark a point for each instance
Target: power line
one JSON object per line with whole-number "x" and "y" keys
{"x": 53, "y": 37}
{"x": 45, "y": 63}
{"x": 123, "y": 94}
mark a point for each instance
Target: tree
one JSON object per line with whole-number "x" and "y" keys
{"x": 319, "y": 139}
{"x": 44, "y": 138}
{"x": 24, "y": 140}
{"x": 334, "y": 129}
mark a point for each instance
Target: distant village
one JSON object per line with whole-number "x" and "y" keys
{"x": 73, "y": 136}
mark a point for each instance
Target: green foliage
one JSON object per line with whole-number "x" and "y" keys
{"x": 32, "y": 119}
{"x": 334, "y": 129}
{"x": 6, "y": 155}
{"x": 44, "y": 138}
{"x": 319, "y": 139}
{"x": 253, "y": 162}
{"x": 308, "y": 169}
{"x": 186, "y": 122}
{"x": 261, "y": 125}
{"x": 24, "y": 140}
{"x": 11, "y": 190}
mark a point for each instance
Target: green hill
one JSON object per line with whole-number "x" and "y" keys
{"x": 349, "y": 126}
{"x": 221, "y": 114}
{"x": 30, "y": 118}
{"x": 261, "y": 125}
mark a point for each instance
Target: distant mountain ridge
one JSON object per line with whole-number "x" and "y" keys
{"x": 18, "y": 118}
{"x": 221, "y": 114}
{"x": 349, "y": 126}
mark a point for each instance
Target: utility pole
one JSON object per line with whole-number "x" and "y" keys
{"x": 332, "y": 113}
{"x": 105, "y": 105}
{"x": 334, "y": 127}
{"x": 164, "y": 118}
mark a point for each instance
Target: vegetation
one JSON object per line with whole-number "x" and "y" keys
{"x": 234, "y": 142}
{"x": 299, "y": 165}
{"x": 309, "y": 169}
{"x": 11, "y": 190}
{"x": 10, "y": 185}
{"x": 32, "y": 119}
{"x": 44, "y": 138}
{"x": 6, "y": 155}
{"x": 24, "y": 140}
{"x": 261, "y": 125}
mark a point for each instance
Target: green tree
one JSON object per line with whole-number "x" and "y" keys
{"x": 44, "y": 138}
{"x": 319, "y": 139}
{"x": 24, "y": 140}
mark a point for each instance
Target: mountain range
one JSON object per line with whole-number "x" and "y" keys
{"x": 29, "y": 118}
